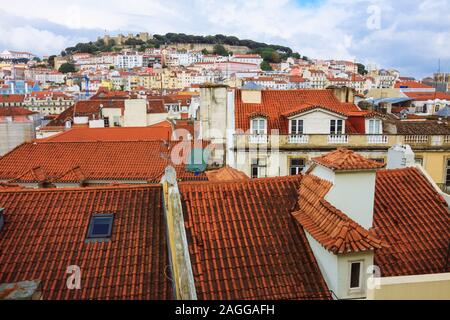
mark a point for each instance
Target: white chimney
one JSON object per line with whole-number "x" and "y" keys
{"x": 400, "y": 156}
{"x": 353, "y": 178}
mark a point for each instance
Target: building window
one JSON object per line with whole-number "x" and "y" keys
{"x": 418, "y": 160}
{"x": 297, "y": 126}
{"x": 336, "y": 126}
{"x": 355, "y": 275}
{"x": 447, "y": 171}
{"x": 259, "y": 126}
{"x": 296, "y": 166}
{"x": 100, "y": 226}
{"x": 259, "y": 168}
{"x": 374, "y": 126}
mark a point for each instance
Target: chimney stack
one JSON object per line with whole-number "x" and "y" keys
{"x": 400, "y": 156}
{"x": 353, "y": 178}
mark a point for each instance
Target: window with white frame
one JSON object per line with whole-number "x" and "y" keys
{"x": 336, "y": 127}
{"x": 259, "y": 126}
{"x": 374, "y": 126}
{"x": 296, "y": 127}
{"x": 355, "y": 275}
{"x": 259, "y": 168}
{"x": 296, "y": 166}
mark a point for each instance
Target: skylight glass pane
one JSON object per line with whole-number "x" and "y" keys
{"x": 100, "y": 226}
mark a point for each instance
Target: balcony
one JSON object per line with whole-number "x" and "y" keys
{"x": 323, "y": 141}
{"x": 377, "y": 139}
{"x": 417, "y": 139}
{"x": 258, "y": 139}
{"x": 337, "y": 139}
{"x": 298, "y": 139}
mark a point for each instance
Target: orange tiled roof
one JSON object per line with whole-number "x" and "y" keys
{"x": 275, "y": 103}
{"x": 14, "y": 112}
{"x": 424, "y": 96}
{"x": 46, "y": 232}
{"x": 71, "y": 176}
{"x": 88, "y": 108}
{"x": 412, "y": 84}
{"x": 344, "y": 159}
{"x": 152, "y": 133}
{"x": 10, "y": 98}
{"x": 414, "y": 220}
{"x": 226, "y": 174}
{"x": 244, "y": 244}
{"x": 105, "y": 161}
{"x": 329, "y": 226}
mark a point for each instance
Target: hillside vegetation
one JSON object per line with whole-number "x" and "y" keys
{"x": 269, "y": 52}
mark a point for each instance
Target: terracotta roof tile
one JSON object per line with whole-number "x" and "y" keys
{"x": 329, "y": 226}
{"x": 45, "y": 233}
{"x": 11, "y": 98}
{"x": 344, "y": 159}
{"x": 111, "y": 161}
{"x": 15, "y": 111}
{"x": 414, "y": 220}
{"x": 153, "y": 133}
{"x": 275, "y": 103}
{"x": 226, "y": 174}
{"x": 244, "y": 243}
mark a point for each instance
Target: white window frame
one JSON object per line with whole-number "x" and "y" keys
{"x": 296, "y": 167}
{"x": 258, "y": 131}
{"x": 361, "y": 265}
{"x": 261, "y": 165}
{"x": 372, "y": 126}
{"x": 297, "y": 121}
{"x": 336, "y": 121}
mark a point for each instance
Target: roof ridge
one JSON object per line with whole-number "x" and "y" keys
{"x": 84, "y": 189}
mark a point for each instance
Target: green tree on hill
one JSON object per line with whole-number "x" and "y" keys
{"x": 67, "y": 67}
{"x": 265, "y": 66}
{"x": 220, "y": 50}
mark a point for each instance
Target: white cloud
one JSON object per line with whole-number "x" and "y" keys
{"x": 413, "y": 34}
{"x": 27, "y": 38}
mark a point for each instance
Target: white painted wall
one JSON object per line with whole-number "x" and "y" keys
{"x": 354, "y": 193}
{"x": 343, "y": 277}
{"x": 213, "y": 113}
{"x": 112, "y": 113}
{"x": 135, "y": 114}
{"x": 154, "y": 118}
{"x": 328, "y": 263}
{"x": 278, "y": 164}
{"x": 318, "y": 122}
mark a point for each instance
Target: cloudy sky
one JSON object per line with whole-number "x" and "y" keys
{"x": 409, "y": 35}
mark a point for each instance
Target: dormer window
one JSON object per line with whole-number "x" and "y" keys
{"x": 336, "y": 127}
{"x": 374, "y": 126}
{"x": 356, "y": 275}
{"x": 296, "y": 127}
{"x": 259, "y": 126}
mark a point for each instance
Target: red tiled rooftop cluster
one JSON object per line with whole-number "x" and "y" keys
{"x": 244, "y": 243}
{"x": 110, "y": 160}
{"x": 46, "y": 233}
{"x": 414, "y": 220}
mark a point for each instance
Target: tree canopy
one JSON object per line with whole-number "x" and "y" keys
{"x": 67, "y": 67}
